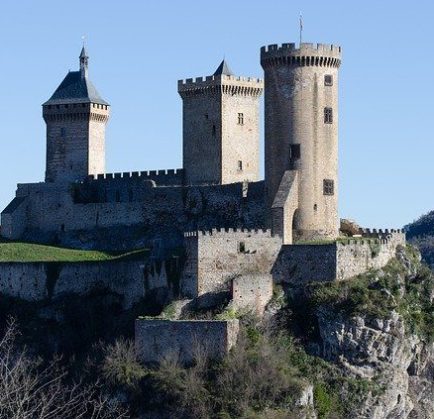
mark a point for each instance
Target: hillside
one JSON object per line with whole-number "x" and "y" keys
{"x": 357, "y": 348}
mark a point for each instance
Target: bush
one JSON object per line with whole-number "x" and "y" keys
{"x": 120, "y": 365}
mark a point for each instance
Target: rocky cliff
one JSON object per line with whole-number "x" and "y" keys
{"x": 377, "y": 329}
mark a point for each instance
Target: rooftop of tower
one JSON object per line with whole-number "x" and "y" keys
{"x": 76, "y": 87}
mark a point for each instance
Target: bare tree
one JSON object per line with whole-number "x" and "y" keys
{"x": 30, "y": 389}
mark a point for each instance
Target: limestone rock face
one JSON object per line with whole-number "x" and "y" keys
{"x": 381, "y": 350}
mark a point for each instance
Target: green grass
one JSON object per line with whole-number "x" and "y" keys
{"x": 31, "y": 252}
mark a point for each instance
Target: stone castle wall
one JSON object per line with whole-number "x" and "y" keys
{"x": 158, "y": 339}
{"x": 60, "y": 210}
{"x": 214, "y": 258}
{"x": 298, "y": 264}
{"x": 40, "y": 281}
{"x": 252, "y": 291}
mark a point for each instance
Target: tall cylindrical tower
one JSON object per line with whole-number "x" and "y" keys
{"x": 301, "y": 132}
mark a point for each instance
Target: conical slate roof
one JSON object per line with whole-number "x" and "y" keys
{"x": 76, "y": 88}
{"x": 223, "y": 68}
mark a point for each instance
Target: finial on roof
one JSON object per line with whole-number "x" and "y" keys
{"x": 223, "y": 68}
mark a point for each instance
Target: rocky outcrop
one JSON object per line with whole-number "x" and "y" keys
{"x": 382, "y": 351}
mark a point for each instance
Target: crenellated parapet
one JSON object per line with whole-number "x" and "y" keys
{"x": 221, "y": 84}
{"x": 76, "y": 112}
{"x": 235, "y": 232}
{"x": 170, "y": 177}
{"x": 306, "y": 54}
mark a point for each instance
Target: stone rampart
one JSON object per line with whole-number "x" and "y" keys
{"x": 170, "y": 177}
{"x": 39, "y": 281}
{"x": 337, "y": 261}
{"x": 158, "y": 339}
{"x": 252, "y": 291}
{"x": 53, "y": 211}
{"x": 214, "y": 258}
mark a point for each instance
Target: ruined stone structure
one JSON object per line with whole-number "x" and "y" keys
{"x": 182, "y": 340}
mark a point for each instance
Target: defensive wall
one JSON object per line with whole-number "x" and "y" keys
{"x": 336, "y": 261}
{"x": 50, "y": 212}
{"x": 251, "y": 291}
{"x": 214, "y": 258}
{"x": 157, "y": 339}
{"x": 39, "y": 281}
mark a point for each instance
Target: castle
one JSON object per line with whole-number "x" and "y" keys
{"x": 220, "y": 176}
{"x": 239, "y": 234}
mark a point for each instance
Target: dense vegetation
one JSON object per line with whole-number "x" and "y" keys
{"x": 421, "y": 234}
{"x": 32, "y": 252}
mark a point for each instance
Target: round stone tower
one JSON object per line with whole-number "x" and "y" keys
{"x": 301, "y": 134}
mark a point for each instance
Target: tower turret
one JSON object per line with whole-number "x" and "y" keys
{"x": 76, "y": 117}
{"x": 301, "y": 135}
{"x": 220, "y": 127}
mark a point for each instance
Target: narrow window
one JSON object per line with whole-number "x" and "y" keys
{"x": 62, "y": 132}
{"x": 328, "y": 115}
{"x": 329, "y": 187}
{"x": 315, "y": 207}
{"x": 213, "y": 130}
{"x": 206, "y": 116}
{"x": 62, "y": 227}
{"x": 294, "y": 150}
{"x": 240, "y": 119}
{"x": 328, "y": 80}
{"x": 240, "y": 165}
{"x": 241, "y": 247}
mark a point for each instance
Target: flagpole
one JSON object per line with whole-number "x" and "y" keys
{"x": 301, "y": 28}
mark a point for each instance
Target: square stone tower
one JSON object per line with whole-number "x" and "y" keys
{"x": 220, "y": 128}
{"x": 76, "y": 118}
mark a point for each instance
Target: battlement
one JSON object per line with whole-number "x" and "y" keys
{"x": 164, "y": 177}
{"x": 306, "y": 54}
{"x": 380, "y": 233}
{"x": 221, "y": 83}
{"x": 229, "y": 231}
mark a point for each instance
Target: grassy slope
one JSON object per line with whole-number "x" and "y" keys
{"x": 30, "y": 252}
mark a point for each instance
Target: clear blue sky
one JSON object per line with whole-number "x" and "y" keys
{"x": 139, "y": 49}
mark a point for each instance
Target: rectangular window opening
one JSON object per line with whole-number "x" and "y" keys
{"x": 294, "y": 150}
{"x": 240, "y": 165}
{"x": 240, "y": 119}
{"x": 328, "y": 80}
{"x": 329, "y": 186}
{"x": 328, "y": 115}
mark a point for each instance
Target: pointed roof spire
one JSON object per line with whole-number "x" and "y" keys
{"x": 84, "y": 61}
{"x": 83, "y": 52}
{"x": 223, "y": 68}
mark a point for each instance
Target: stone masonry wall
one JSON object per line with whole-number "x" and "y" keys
{"x": 252, "y": 291}
{"x": 53, "y": 210}
{"x": 297, "y": 264}
{"x": 214, "y": 258}
{"x": 297, "y": 136}
{"x": 39, "y": 281}
{"x": 157, "y": 339}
